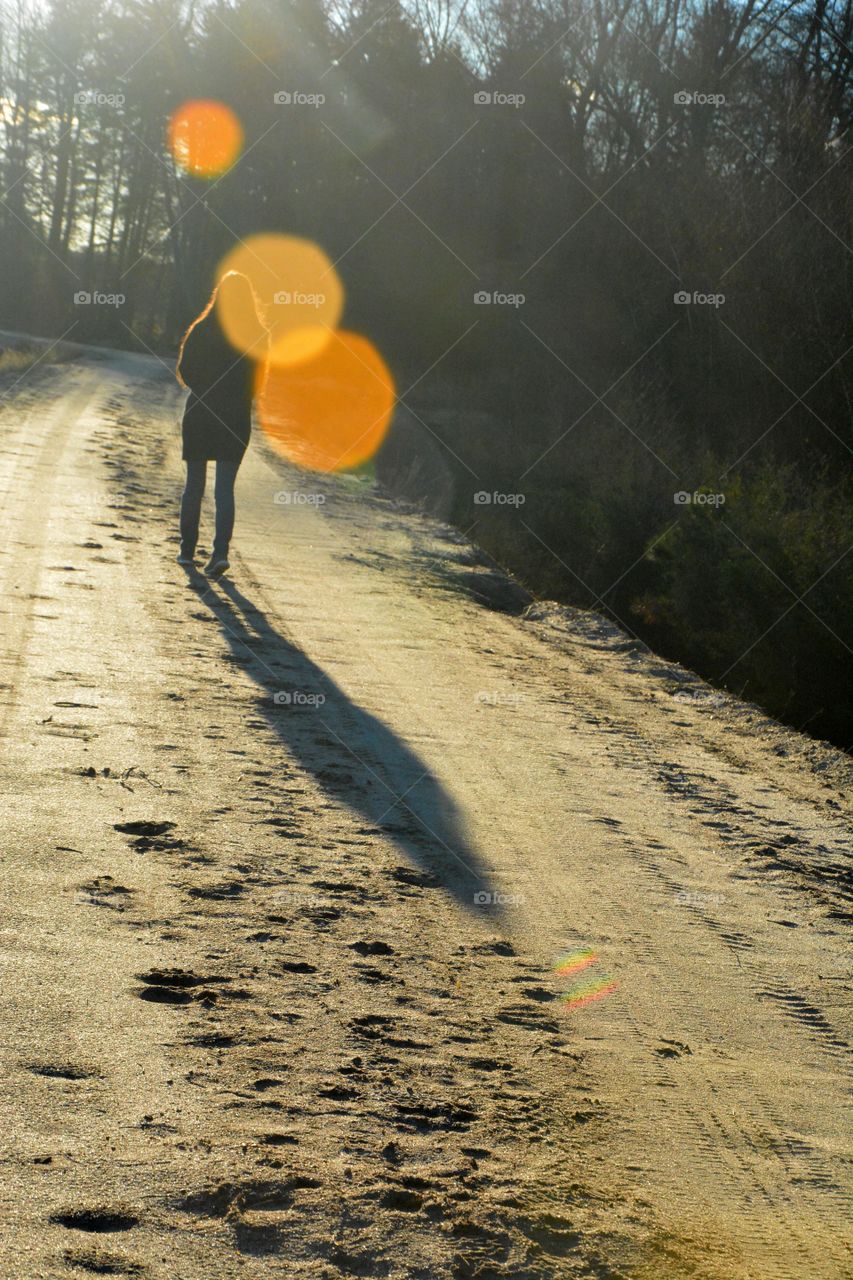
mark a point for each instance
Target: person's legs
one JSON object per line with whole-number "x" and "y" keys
{"x": 226, "y": 474}
{"x": 191, "y": 505}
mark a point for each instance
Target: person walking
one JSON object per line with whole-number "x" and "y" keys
{"x": 217, "y": 421}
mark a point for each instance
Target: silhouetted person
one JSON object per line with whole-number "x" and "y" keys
{"x": 217, "y": 419}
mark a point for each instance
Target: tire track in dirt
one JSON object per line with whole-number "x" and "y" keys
{"x": 33, "y": 483}
{"x": 753, "y": 1114}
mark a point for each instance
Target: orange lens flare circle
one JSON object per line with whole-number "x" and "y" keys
{"x": 205, "y": 137}
{"x": 329, "y": 413}
{"x": 299, "y": 289}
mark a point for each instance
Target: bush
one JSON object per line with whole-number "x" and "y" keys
{"x": 756, "y": 595}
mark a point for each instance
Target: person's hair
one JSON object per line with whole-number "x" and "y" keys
{"x": 229, "y": 278}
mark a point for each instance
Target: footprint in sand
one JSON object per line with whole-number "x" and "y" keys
{"x": 101, "y": 1219}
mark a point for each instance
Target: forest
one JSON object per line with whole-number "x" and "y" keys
{"x": 604, "y": 249}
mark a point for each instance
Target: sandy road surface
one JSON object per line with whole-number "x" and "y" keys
{"x": 257, "y": 1018}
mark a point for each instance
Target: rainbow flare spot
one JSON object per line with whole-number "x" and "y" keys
{"x": 585, "y": 992}
{"x": 573, "y": 961}
{"x": 586, "y": 989}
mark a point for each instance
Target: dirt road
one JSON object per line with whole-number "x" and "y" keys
{"x": 289, "y": 862}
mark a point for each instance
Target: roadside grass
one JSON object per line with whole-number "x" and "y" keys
{"x": 18, "y": 360}
{"x": 26, "y": 355}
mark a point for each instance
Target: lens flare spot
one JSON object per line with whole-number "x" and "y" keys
{"x": 295, "y": 346}
{"x": 330, "y": 412}
{"x": 205, "y": 137}
{"x": 299, "y": 289}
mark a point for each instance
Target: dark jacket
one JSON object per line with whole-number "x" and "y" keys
{"x": 217, "y": 419}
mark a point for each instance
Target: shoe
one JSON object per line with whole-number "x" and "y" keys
{"x": 216, "y": 566}
{"x": 186, "y": 560}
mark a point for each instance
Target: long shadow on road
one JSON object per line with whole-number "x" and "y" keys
{"x": 351, "y": 753}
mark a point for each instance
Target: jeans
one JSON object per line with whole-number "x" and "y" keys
{"x": 226, "y": 474}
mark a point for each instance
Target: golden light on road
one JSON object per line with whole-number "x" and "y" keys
{"x": 329, "y": 413}
{"x": 299, "y": 289}
{"x": 205, "y": 137}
